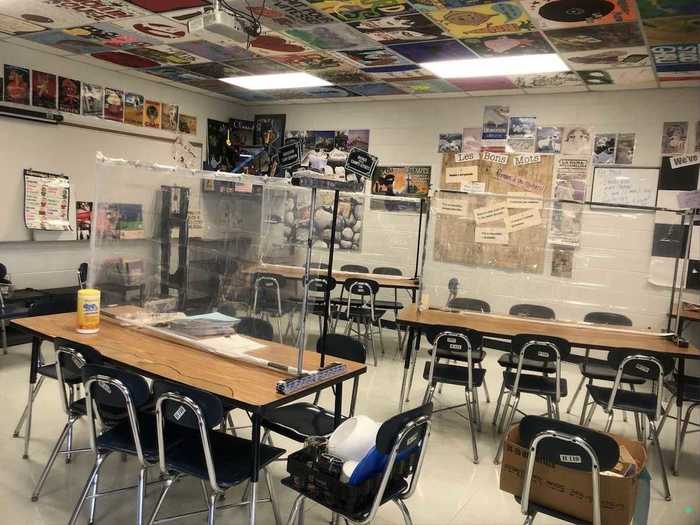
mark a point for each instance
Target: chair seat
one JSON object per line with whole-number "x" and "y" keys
{"x": 271, "y": 308}
{"x": 358, "y": 312}
{"x": 392, "y": 491}
{"x": 691, "y": 389}
{"x": 454, "y": 374}
{"x": 626, "y": 400}
{"x": 232, "y": 457}
{"x": 535, "y": 384}
{"x": 598, "y": 369}
{"x": 388, "y": 305}
{"x": 535, "y": 508}
{"x": 477, "y": 355}
{"x": 50, "y": 372}
{"x": 511, "y": 361}
{"x": 120, "y": 439}
{"x": 298, "y": 421}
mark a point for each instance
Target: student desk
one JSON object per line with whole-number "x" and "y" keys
{"x": 244, "y": 385}
{"x": 505, "y": 326}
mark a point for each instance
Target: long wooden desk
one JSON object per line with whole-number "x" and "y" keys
{"x": 505, "y": 326}
{"x": 243, "y": 385}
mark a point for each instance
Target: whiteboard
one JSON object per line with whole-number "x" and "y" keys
{"x": 627, "y": 186}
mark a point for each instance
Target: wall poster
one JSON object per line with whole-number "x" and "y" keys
{"x": 83, "y": 220}
{"x": 46, "y": 201}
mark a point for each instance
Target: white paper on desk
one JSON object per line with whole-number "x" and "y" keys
{"x": 230, "y": 346}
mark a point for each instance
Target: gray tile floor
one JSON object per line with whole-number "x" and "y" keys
{"x": 452, "y": 490}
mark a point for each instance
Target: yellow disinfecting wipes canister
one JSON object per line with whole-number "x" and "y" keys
{"x": 88, "y": 311}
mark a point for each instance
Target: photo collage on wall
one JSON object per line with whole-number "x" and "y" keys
{"x": 325, "y": 151}
{"x": 20, "y": 85}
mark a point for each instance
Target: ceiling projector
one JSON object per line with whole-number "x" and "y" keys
{"x": 223, "y": 23}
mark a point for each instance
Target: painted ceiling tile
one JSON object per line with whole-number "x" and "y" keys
{"x": 400, "y": 29}
{"x": 357, "y": 10}
{"x": 375, "y": 89}
{"x": 549, "y": 80}
{"x": 69, "y": 13}
{"x": 433, "y": 51}
{"x": 158, "y": 27}
{"x": 162, "y": 6}
{"x": 70, "y": 44}
{"x": 555, "y": 14}
{"x": 214, "y": 70}
{"x": 395, "y": 73}
{"x": 663, "y": 8}
{"x": 124, "y": 59}
{"x": 282, "y": 14}
{"x": 672, "y": 30}
{"x": 509, "y": 45}
{"x": 596, "y": 37}
{"x": 331, "y": 37}
{"x": 480, "y": 84}
{"x": 373, "y": 57}
{"x": 309, "y": 61}
{"x": 214, "y": 52}
{"x": 671, "y": 58}
{"x": 10, "y": 25}
{"x": 608, "y": 58}
{"x": 261, "y": 66}
{"x": 344, "y": 75}
{"x": 176, "y": 74}
{"x": 109, "y": 35}
{"x": 168, "y": 55}
{"x": 421, "y": 87}
{"x": 630, "y": 76}
{"x": 484, "y": 20}
{"x": 271, "y": 44}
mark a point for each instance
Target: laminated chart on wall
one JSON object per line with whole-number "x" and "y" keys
{"x": 46, "y": 201}
{"x": 670, "y": 234}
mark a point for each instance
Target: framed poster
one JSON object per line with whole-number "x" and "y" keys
{"x": 269, "y": 130}
{"x": 405, "y": 181}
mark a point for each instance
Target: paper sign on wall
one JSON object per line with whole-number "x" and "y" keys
{"x": 523, "y": 220}
{"x": 524, "y": 160}
{"x": 46, "y": 201}
{"x": 460, "y": 174}
{"x": 453, "y": 208}
{"x": 494, "y": 157}
{"x": 466, "y": 157}
{"x": 523, "y": 199}
{"x": 473, "y": 187}
{"x": 491, "y": 235}
{"x": 490, "y": 213}
{"x": 685, "y": 160}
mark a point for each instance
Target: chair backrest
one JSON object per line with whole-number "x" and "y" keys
{"x": 532, "y": 310}
{"x": 572, "y": 446}
{"x": 607, "y": 318}
{"x": 3, "y": 273}
{"x": 387, "y": 270}
{"x": 402, "y": 433}
{"x": 361, "y": 287}
{"x": 343, "y": 347}
{"x": 319, "y": 284}
{"x": 254, "y": 327}
{"x": 82, "y": 275}
{"x": 467, "y": 303}
{"x": 455, "y": 341}
{"x": 71, "y": 358}
{"x": 318, "y": 266}
{"x": 269, "y": 287}
{"x": 113, "y": 390}
{"x": 541, "y": 348}
{"x": 644, "y": 365}
{"x": 192, "y": 409}
{"x": 355, "y": 268}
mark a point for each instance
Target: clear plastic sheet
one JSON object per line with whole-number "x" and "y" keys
{"x": 571, "y": 257}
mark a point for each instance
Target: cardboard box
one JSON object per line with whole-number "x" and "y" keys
{"x": 570, "y": 491}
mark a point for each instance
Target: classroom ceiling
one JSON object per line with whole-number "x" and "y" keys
{"x": 371, "y": 48}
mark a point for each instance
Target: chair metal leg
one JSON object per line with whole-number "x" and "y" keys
{"x": 23, "y": 417}
{"x": 253, "y": 501}
{"x": 677, "y": 440}
{"x": 99, "y": 460}
{"x": 667, "y": 411}
{"x": 295, "y": 509}
{"x": 300, "y": 518}
{"x": 550, "y": 413}
{"x": 273, "y": 499}
{"x": 3, "y": 329}
{"x": 504, "y": 412}
{"x": 657, "y": 445}
{"x": 28, "y": 425}
{"x": 609, "y": 423}
{"x": 404, "y": 512}
{"x": 368, "y": 329}
{"x": 498, "y": 404}
{"x": 477, "y": 409}
{"x": 411, "y": 372}
{"x": 52, "y": 457}
{"x": 161, "y": 498}
{"x": 279, "y": 329}
{"x": 69, "y": 437}
{"x": 514, "y": 409}
{"x": 576, "y": 393}
{"x": 141, "y": 495}
{"x": 212, "y": 508}
{"x": 487, "y": 398}
{"x": 93, "y": 499}
{"x": 589, "y": 416}
{"x": 529, "y": 519}
{"x": 584, "y": 417}
{"x": 472, "y": 430}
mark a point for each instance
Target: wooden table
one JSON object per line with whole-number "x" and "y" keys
{"x": 243, "y": 385}
{"x": 506, "y": 326}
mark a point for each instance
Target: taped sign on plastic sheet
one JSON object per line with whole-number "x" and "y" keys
{"x": 466, "y": 157}
{"x": 460, "y": 174}
{"x": 488, "y": 214}
{"x": 523, "y": 220}
{"x": 450, "y": 207}
{"x": 524, "y": 199}
{"x": 494, "y": 157}
{"x": 473, "y": 187}
{"x": 491, "y": 235}
{"x": 524, "y": 160}
{"x": 521, "y": 182}
{"x": 685, "y": 160}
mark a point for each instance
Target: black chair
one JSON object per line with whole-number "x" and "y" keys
{"x": 509, "y": 360}
{"x": 691, "y": 395}
{"x": 467, "y": 303}
{"x": 354, "y": 268}
{"x": 122, "y": 400}
{"x": 316, "y": 299}
{"x": 254, "y": 327}
{"x": 217, "y": 459}
{"x": 359, "y": 309}
{"x": 5, "y": 287}
{"x": 646, "y": 406}
{"x": 268, "y": 302}
{"x": 598, "y": 369}
{"x": 539, "y": 348}
{"x": 70, "y": 359}
{"x": 404, "y": 434}
{"x": 298, "y": 421}
{"x": 82, "y": 275}
{"x": 552, "y": 442}
{"x": 394, "y": 305}
{"x": 461, "y": 346}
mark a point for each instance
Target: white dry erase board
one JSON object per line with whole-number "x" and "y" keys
{"x": 626, "y": 186}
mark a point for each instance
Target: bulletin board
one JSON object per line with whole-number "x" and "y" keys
{"x": 513, "y": 234}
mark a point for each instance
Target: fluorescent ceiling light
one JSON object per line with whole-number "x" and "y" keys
{"x": 496, "y": 67}
{"x": 277, "y": 81}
